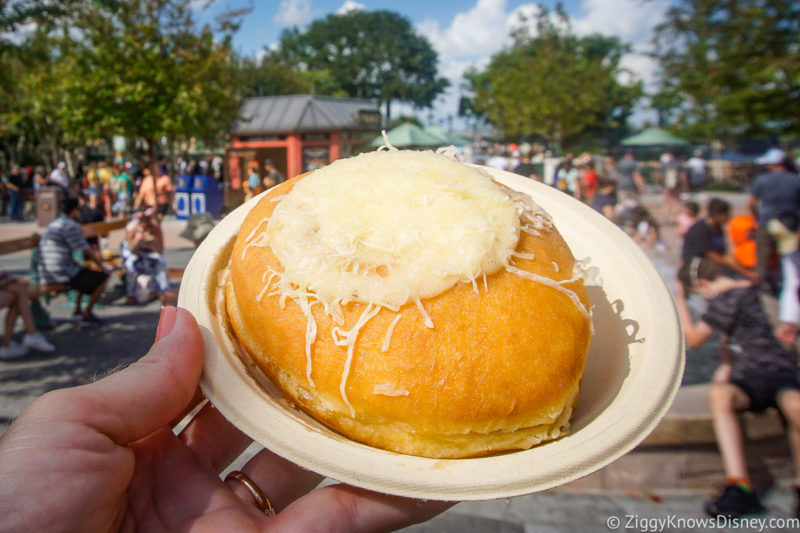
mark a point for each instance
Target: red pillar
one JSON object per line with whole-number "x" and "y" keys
{"x": 335, "y": 147}
{"x": 234, "y": 172}
{"x": 294, "y": 155}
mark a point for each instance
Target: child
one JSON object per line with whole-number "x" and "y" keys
{"x": 756, "y": 373}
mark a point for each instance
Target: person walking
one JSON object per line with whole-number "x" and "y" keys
{"x": 775, "y": 202}
{"x": 164, "y": 192}
{"x": 146, "y": 195}
{"x": 630, "y": 182}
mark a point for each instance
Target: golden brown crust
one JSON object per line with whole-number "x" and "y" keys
{"x": 500, "y": 369}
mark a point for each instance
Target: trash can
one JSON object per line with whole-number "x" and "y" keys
{"x": 48, "y": 204}
{"x": 183, "y": 191}
{"x": 206, "y": 195}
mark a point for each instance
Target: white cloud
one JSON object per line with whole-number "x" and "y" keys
{"x": 294, "y": 13}
{"x": 630, "y": 20}
{"x": 479, "y": 32}
{"x": 475, "y": 35}
{"x": 349, "y": 6}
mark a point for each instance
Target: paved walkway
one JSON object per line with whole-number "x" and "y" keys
{"x": 84, "y": 355}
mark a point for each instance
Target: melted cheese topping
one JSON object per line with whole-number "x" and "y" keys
{"x": 392, "y": 227}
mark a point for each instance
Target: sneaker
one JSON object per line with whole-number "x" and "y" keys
{"x": 36, "y": 341}
{"x": 12, "y": 351}
{"x": 734, "y": 502}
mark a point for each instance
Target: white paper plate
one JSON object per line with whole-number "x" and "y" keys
{"x": 633, "y": 371}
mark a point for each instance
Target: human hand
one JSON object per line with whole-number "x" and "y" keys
{"x": 103, "y": 457}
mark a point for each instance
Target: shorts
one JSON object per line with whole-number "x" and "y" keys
{"x": 763, "y": 387}
{"x": 161, "y": 209}
{"x": 87, "y": 280}
{"x": 786, "y": 240}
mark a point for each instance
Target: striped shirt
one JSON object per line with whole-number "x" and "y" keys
{"x": 62, "y": 238}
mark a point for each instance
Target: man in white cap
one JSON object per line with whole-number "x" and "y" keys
{"x": 59, "y": 176}
{"x": 775, "y": 202}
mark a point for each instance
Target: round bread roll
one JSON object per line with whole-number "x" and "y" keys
{"x": 465, "y": 362}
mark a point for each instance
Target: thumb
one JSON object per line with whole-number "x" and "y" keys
{"x": 147, "y": 395}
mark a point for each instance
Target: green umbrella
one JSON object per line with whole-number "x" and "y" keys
{"x": 654, "y": 137}
{"x": 408, "y": 134}
{"x": 446, "y": 137}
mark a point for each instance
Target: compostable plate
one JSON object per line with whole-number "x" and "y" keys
{"x": 633, "y": 372}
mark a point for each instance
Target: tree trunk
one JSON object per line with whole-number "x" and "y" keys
{"x": 151, "y": 154}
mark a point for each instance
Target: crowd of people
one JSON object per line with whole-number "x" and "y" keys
{"x": 733, "y": 263}
{"x": 141, "y": 194}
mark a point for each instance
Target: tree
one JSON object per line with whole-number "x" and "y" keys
{"x": 137, "y": 68}
{"x": 730, "y": 68}
{"x": 367, "y": 55}
{"x": 271, "y": 77}
{"x": 554, "y": 85}
{"x": 143, "y": 70}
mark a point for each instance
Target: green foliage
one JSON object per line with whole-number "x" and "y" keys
{"x": 366, "y": 55}
{"x": 555, "y": 85}
{"x": 143, "y": 70}
{"x": 272, "y": 77}
{"x": 138, "y": 68}
{"x": 730, "y": 68}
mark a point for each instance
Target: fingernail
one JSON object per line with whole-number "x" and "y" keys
{"x": 166, "y": 321}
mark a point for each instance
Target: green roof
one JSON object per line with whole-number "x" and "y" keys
{"x": 654, "y": 137}
{"x": 408, "y": 134}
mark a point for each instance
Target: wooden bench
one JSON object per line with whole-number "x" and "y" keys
{"x": 31, "y": 242}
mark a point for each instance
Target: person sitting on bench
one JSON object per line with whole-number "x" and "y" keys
{"x": 57, "y": 264}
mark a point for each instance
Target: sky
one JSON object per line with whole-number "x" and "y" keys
{"x": 463, "y": 32}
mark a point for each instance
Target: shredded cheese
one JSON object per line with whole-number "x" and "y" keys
{"x": 348, "y": 339}
{"x": 387, "y": 338}
{"x": 554, "y": 284}
{"x": 387, "y": 389}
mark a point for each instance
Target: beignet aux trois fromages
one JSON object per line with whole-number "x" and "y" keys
{"x": 412, "y": 303}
